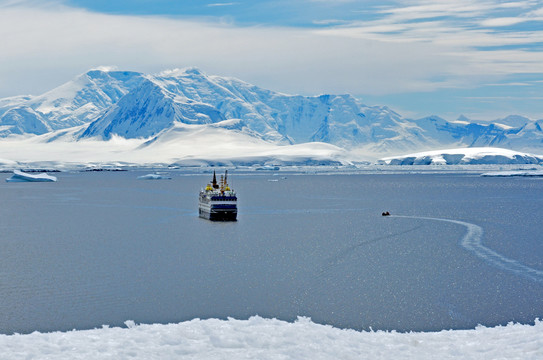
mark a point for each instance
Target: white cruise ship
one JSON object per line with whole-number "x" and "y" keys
{"x": 218, "y": 201}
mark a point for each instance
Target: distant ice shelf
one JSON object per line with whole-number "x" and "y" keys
{"x": 268, "y": 167}
{"x": 19, "y": 176}
{"x": 528, "y": 173}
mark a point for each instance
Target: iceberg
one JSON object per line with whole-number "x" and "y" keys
{"x": 19, "y": 176}
{"x": 154, "y": 177}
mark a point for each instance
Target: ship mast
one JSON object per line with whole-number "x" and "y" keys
{"x": 215, "y": 185}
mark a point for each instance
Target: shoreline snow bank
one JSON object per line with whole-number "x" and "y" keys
{"x": 274, "y": 339}
{"x": 528, "y": 173}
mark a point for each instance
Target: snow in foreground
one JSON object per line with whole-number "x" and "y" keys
{"x": 259, "y": 338}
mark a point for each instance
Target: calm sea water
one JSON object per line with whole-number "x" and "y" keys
{"x": 103, "y": 248}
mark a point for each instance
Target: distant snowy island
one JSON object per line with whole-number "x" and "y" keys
{"x": 188, "y": 118}
{"x": 466, "y": 156}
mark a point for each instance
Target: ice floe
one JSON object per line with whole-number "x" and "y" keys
{"x": 19, "y": 176}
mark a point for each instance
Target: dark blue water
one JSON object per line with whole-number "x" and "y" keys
{"x": 103, "y": 248}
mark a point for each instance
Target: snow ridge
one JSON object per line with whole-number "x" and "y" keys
{"x": 259, "y": 338}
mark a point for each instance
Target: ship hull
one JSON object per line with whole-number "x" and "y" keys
{"x": 218, "y": 214}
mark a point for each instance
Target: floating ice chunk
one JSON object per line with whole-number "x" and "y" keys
{"x": 19, "y": 176}
{"x": 154, "y": 177}
{"x": 268, "y": 168}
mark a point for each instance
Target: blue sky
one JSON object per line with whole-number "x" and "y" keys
{"x": 263, "y": 12}
{"x": 480, "y": 58}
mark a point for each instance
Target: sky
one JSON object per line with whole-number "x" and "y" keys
{"x": 478, "y": 58}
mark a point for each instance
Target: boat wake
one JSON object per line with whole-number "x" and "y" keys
{"x": 472, "y": 242}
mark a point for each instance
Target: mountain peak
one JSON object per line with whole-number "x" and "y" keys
{"x": 182, "y": 72}
{"x": 464, "y": 118}
{"x": 514, "y": 120}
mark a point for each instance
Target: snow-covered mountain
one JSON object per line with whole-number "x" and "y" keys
{"x": 149, "y": 109}
{"x": 74, "y": 103}
{"x": 103, "y": 104}
{"x": 192, "y": 97}
{"x": 524, "y": 135}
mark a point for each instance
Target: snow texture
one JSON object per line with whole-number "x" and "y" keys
{"x": 19, "y": 176}
{"x": 259, "y": 338}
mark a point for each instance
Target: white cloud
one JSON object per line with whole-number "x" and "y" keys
{"x": 333, "y": 1}
{"x": 456, "y": 30}
{"x": 330, "y": 22}
{"x": 222, "y": 4}
{"x": 425, "y": 9}
{"x": 505, "y": 21}
{"x": 106, "y": 68}
{"x": 45, "y": 46}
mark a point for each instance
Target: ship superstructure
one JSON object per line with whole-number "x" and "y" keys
{"x": 218, "y": 201}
